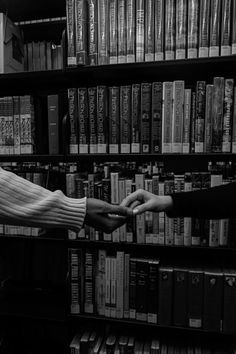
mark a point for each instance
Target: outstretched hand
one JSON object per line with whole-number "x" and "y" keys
{"x": 104, "y": 216}
{"x": 141, "y": 201}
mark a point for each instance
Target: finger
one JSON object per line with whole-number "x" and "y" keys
{"x": 129, "y": 199}
{"x": 134, "y": 204}
{"x": 141, "y": 208}
{"x": 120, "y": 210}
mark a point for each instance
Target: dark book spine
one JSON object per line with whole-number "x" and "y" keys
{"x": 217, "y": 113}
{"x": 125, "y": 105}
{"x": 145, "y": 117}
{"x": 92, "y": 118}
{"x": 89, "y": 286}
{"x": 141, "y": 289}
{"x": 156, "y": 126}
{"x": 114, "y": 119}
{"x": 180, "y": 297}
{"x": 152, "y": 291}
{"x": 81, "y": 32}
{"x": 195, "y": 298}
{"x": 53, "y": 125}
{"x": 76, "y": 280}
{"x": 165, "y": 289}
{"x": 132, "y": 288}
{"x": 73, "y": 106}
{"x": 92, "y": 32}
{"x": 102, "y": 125}
{"x": 135, "y": 119}
{"x": 83, "y": 120}
{"x": 229, "y": 307}
{"x": 200, "y": 116}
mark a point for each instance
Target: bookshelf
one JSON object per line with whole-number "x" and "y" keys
{"x": 56, "y": 81}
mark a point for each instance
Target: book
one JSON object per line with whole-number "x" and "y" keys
{"x": 92, "y": 111}
{"x": 187, "y": 121}
{"x": 11, "y": 46}
{"x": 140, "y": 14}
{"x": 16, "y": 124}
{"x": 132, "y": 288}
{"x": 217, "y": 113}
{"x": 92, "y": 32}
{"x": 213, "y": 299}
{"x": 108, "y": 286}
{"x": 120, "y": 284}
{"x": 140, "y": 224}
{"x": 181, "y": 29}
{"x": 187, "y": 220}
{"x": 121, "y": 31}
{"x": 233, "y": 39}
{"x": 149, "y": 31}
{"x": 165, "y": 295}
{"x": 72, "y": 111}
{"x": 126, "y": 284}
{"x": 193, "y": 29}
{"x": 195, "y": 298}
{"x": 130, "y": 32}
{"x": 114, "y": 272}
{"x": 204, "y": 28}
{"x": 103, "y": 32}
{"x": 156, "y": 117}
{"x": 70, "y": 26}
{"x": 229, "y": 308}
{"x": 146, "y": 96}
{"x": 159, "y": 24}
{"x": 192, "y": 127}
{"x": 142, "y": 267}
{"x": 214, "y": 226}
{"x": 89, "y": 286}
{"x": 167, "y": 116}
{"x": 234, "y": 123}
{"x": 200, "y": 116}
{"x": 83, "y": 120}
{"x": 102, "y": 126}
{"x": 214, "y": 49}
{"x": 101, "y": 282}
{"x": 125, "y": 131}
{"x": 169, "y": 30}
{"x": 179, "y": 186}
{"x": 208, "y": 119}
{"x": 177, "y": 116}
{"x": 27, "y": 121}
{"x": 9, "y": 133}
{"x": 113, "y": 32}
{"x": 180, "y": 297}
{"x": 114, "y": 119}
{"x": 225, "y": 42}
{"x": 227, "y": 115}
{"x": 135, "y": 118}
{"x": 76, "y": 280}
{"x": 152, "y": 304}
{"x": 81, "y": 32}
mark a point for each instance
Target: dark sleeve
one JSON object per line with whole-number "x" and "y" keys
{"x": 213, "y": 203}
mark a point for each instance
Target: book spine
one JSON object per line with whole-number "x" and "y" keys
{"x": 152, "y": 306}
{"x": 53, "y": 125}
{"x": 165, "y": 292}
{"x": 92, "y": 32}
{"x": 113, "y": 32}
{"x": 149, "y": 31}
{"x": 125, "y": 131}
{"x": 214, "y": 49}
{"x": 225, "y": 43}
{"x": 169, "y": 222}
{"x": 122, "y": 54}
{"x": 195, "y": 298}
{"x": 83, "y": 120}
{"x": 179, "y": 185}
{"x": 75, "y": 276}
{"x": 146, "y": 94}
{"x": 229, "y": 308}
{"x": 108, "y": 286}
{"x": 200, "y": 116}
{"x": 126, "y": 285}
{"x": 102, "y": 128}
{"x": 193, "y": 16}
{"x": 81, "y": 32}
{"x": 130, "y": 227}
{"x": 204, "y": 26}
{"x": 181, "y": 29}
{"x": 92, "y": 118}
{"x": 70, "y": 22}
{"x": 140, "y": 15}
{"x": 227, "y": 115}
{"x": 156, "y": 117}
{"x": 155, "y": 220}
{"x": 135, "y": 119}
{"x": 140, "y": 224}
{"x": 120, "y": 284}
{"x": 114, "y": 299}
{"x": 177, "y": 116}
{"x": 214, "y": 226}
{"x": 159, "y": 23}
{"x": 180, "y": 299}
{"x": 217, "y": 113}
{"x": 130, "y": 23}
{"x": 101, "y": 282}
{"x": 234, "y": 123}
{"x": 167, "y": 116}
{"x": 187, "y": 220}
{"x": 208, "y": 119}
{"x": 103, "y": 32}
{"x": 9, "y": 126}
{"x": 161, "y": 235}
{"x": 148, "y": 215}
{"x": 187, "y": 121}
{"x": 73, "y": 105}
{"x": 141, "y": 289}
{"x": 233, "y": 40}
{"x": 122, "y": 195}
{"x": 169, "y": 30}
{"x": 16, "y": 124}
{"x": 192, "y": 127}
{"x": 89, "y": 290}
{"x": 114, "y": 119}
{"x": 132, "y": 288}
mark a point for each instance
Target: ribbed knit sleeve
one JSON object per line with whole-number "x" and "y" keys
{"x": 213, "y": 203}
{"x": 25, "y": 203}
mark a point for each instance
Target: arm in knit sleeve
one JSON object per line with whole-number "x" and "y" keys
{"x": 213, "y": 203}
{"x": 25, "y": 203}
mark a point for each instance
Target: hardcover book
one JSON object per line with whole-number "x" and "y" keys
{"x": 92, "y": 32}
{"x": 70, "y": 23}
{"x": 193, "y": 15}
{"x": 130, "y": 33}
{"x": 159, "y": 23}
{"x": 204, "y": 28}
{"x": 195, "y": 298}
{"x": 121, "y": 22}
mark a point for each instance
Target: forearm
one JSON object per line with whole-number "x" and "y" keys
{"x": 25, "y": 203}
{"x": 214, "y": 203}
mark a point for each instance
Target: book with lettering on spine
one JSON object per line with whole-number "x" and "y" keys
{"x": 120, "y": 284}
{"x": 156, "y": 117}
{"x": 204, "y": 28}
{"x": 187, "y": 121}
{"x": 83, "y": 120}
{"x": 146, "y": 97}
{"x": 113, "y": 32}
{"x": 73, "y": 119}
{"x": 92, "y": 32}
{"x": 227, "y": 115}
{"x": 103, "y": 32}
{"x": 16, "y": 124}
{"x": 193, "y": 20}
{"x": 130, "y": 32}
{"x": 181, "y": 29}
{"x": 177, "y": 116}
{"x": 76, "y": 280}
{"x": 70, "y": 22}
{"x": 102, "y": 121}
{"x": 179, "y": 186}
{"x": 114, "y": 119}
{"x": 208, "y": 119}
{"x": 132, "y": 288}
{"x": 195, "y": 298}
{"x": 225, "y": 43}
{"x": 200, "y": 116}
{"x": 142, "y": 273}
{"x": 214, "y": 49}
{"x": 180, "y": 296}
{"x": 135, "y": 119}
{"x": 140, "y": 15}
{"x": 169, "y": 30}
{"x": 159, "y": 25}
{"x": 214, "y": 225}
{"x": 187, "y": 220}
{"x": 89, "y": 277}
{"x": 192, "y": 125}
{"x": 101, "y": 282}
{"x": 81, "y": 32}
{"x": 167, "y": 109}
{"x": 217, "y": 113}
{"x": 9, "y": 133}
{"x": 114, "y": 289}
{"x": 121, "y": 31}
{"x": 165, "y": 295}
{"x": 149, "y": 31}
{"x": 125, "y": 108}
{"x": 92, "y": 119}
{"x": 152, "y": 306}
{"x": 27, "y": 119}
{"x": 229, "y": 305}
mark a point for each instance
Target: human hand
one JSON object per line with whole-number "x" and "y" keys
{"x": 141, "y": 201}
{"x": 104, "y": 216}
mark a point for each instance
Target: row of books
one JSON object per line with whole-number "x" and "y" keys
{"x": 118, "y": 31}
{"x": 42, "y": 56}
{"x": 125, "y": 287}
{"x": 97, "y": 342}
{"x": 156, "y": 117}
{"x": 153, "y": 228}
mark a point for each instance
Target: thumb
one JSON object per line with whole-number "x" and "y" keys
{"x": 141, "y": 208}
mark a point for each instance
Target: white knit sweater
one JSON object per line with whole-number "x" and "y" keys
{"x": 25, "y": 203}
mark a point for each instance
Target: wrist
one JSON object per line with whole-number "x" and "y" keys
{"x": 167, "y": 205}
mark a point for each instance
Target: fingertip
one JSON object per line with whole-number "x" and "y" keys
{"x": 135, "y": 211}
